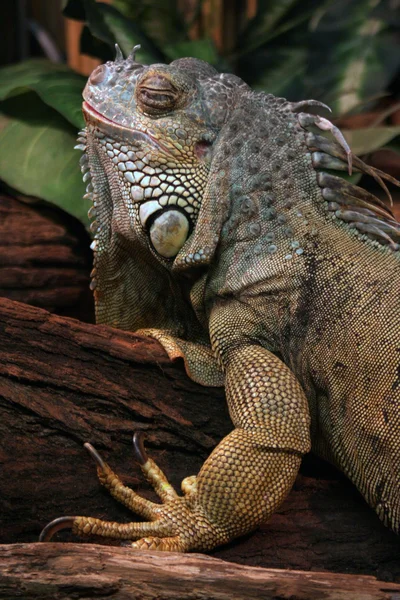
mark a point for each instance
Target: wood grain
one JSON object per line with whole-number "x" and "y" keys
{"x": 64, "y": 571}
{"x": 44, "y": 258}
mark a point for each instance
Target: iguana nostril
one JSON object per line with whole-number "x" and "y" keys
{"x": 98, "y": 75}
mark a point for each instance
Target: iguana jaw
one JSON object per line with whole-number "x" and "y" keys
{"x": 161, "y": 193}
{"x": 119, "y": 132}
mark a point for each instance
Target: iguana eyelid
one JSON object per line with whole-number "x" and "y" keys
{"x": 152, "y": 98}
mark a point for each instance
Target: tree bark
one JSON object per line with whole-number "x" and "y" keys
{"x": 65, "y": 571}
{"x": 45, "y": 258}
{"x": 64, "y": 382}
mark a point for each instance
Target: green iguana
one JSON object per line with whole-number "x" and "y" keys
{"x": 219, "y": 232}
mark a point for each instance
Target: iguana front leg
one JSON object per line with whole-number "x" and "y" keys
{"x": 252, "y": 470}
{"x": 245, "y": 478}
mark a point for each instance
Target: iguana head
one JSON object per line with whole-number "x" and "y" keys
{"x": 184, "y": 164}
{"x": 149, "y": 140}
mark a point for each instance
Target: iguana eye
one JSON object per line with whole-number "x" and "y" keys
{"x": 156, "y": 94}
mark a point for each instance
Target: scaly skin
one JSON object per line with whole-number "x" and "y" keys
{"x": 292, "y": 261}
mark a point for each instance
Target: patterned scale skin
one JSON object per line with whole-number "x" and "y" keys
{"x": 219, "y": 233}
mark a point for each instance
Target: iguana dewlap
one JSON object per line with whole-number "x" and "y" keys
{"x": 219, "y": 231}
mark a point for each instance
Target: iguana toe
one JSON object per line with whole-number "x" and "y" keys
{"x": 178, "y": 524}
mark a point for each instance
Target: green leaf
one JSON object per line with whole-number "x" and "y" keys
{"x": 354, "y": 58}
{"x": 203, "y": 49}
{"x": 127, "y": 34}
{"x": 57, "y": 86}
{"x": 96, "y": 23}
{"x": 272, "y": 19}
{"x": 37, "y": 156}
{"x": 368, "y": 139}
{"x": 91, "y": 45}
{"x": 160, "y": 20}
{"x": 280, "y": 72}
{"x": 108, "y": 25}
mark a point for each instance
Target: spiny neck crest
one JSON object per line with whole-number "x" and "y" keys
{"x": 353, "y": 206}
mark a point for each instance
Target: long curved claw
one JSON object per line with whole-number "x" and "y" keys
{"x": 138, "y": 446}
{"x": 95, "y": 455}
{"x": 118, "y": 490}
{"x": 85, "y": 526}
{"x": 159, "y": 532}
{"x": 54, "y": 526}
{"x": 152, "y": 472}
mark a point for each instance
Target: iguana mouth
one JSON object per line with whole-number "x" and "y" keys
{"x": 110, "y": 127}
{"x": 87, "y": 108}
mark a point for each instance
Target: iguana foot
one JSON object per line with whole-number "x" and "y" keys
{"x": 178, "y": 524}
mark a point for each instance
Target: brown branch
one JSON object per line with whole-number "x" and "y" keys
{"x": 66, "y": 571}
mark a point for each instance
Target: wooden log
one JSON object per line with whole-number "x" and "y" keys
{"x": 44, "y": 258}
{"x": 63, "y": 382}
{"x": 65, "y": 571}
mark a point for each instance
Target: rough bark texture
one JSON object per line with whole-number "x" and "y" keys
{"x": 44, "y": 258}
{"x": 63, "y": 382}
{"x": 88, "y": 571}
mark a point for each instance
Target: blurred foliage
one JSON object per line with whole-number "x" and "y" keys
{"x": 37, "y": 155}
{"x": 342, "y": 52}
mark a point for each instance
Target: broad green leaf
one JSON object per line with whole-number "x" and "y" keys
{"x": 267, "y": 17}
{"x": 203, "y": 49}
{"x": 91, "y": 45}
{"x": 368, "y": 139}
{"x": 161, "y": 20}
{"x": 273, "y": 18}
{"x": 283, "y": 72}
{"x": 38, "y": 158}
{"x": 110, "y": 26}
{"x": 353, "y": 58}
{"x": 57, "y": 86}
{"x": 96, "y": 23}
{"x": 129, "y": 8}
{"x": 127, "y": 34}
